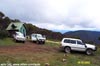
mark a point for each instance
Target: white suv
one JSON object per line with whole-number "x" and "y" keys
{"x": 18, "y": 36}
{"x": 69, "y": 44}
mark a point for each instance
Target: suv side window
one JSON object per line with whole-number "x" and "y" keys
{"x": 73, "y": 41}
{"x": 79, "y": 42}
{"x": 66, "y": 41}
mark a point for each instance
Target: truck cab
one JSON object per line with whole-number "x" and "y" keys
{"x": 38, "y": 38}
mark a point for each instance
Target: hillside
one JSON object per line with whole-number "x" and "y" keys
{"x": 48, "y": 33}
{"x": 86, "y": 36}
{"x": 30, "y": 28}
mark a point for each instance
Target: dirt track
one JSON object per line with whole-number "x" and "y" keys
{"x": 27, "y": 47}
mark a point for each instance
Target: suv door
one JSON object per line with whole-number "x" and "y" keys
{"x": 70, "y": 43}
{"x": 80, "y": 46}
{"x": 73, "y": 44}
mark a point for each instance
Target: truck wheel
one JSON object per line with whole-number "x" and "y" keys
{"x": 16, "y": 40}
{"x": 38, "y": 42}
{"x": 43, "y": 42}
{"x": 67, "y": 49}
{"x": 23, "y": 41}
{"x": 34, "y": 41}
{"x": 89, "y": 51}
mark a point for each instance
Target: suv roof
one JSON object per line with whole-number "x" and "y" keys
{"x": 36, "y": 34}
{"x": 71, "y": 39}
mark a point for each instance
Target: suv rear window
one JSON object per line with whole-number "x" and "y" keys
{"x": 73, "y": 41}
{"x": 66, "y": 41}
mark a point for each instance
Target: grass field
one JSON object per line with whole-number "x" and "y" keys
{"x": 51, "y": 54}
{"x": 8, "y": 42}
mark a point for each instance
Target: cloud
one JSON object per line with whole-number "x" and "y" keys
{"x": 55, "y": 14}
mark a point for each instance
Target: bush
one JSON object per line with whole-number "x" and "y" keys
{"x": 3, "y": 34}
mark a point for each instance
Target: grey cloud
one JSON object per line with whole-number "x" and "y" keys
{"x": 35, "y": 11}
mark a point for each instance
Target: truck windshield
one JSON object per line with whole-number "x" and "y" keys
{"x": 18, "y": 33}
{"x": 39, "y": 35}
{"x": 36, "y": 35}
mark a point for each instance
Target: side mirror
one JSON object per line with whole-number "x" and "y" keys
{"x": 85, "y": 45}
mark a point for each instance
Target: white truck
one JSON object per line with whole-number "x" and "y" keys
{"x": 38, "y": 38}
{"x": 69, "y": 44}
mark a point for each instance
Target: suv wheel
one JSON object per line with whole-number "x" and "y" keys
{"x": 67, "y": 49}
{"x": 89, "y": 51}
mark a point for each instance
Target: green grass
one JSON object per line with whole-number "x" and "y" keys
{"x": 52, "y": 43}
{"x": 53, "y": 58}
{"x": 7, "y": 42}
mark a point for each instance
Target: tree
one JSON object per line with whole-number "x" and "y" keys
{"x": 30, "y": 28}
{"x": 16, "y": 20}
{"x": 1, "y": 15}
{"x": 3, "y": 34}
{"x": 7, "y": 19}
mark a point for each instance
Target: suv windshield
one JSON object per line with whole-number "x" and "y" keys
{"x": 80, "y": 42}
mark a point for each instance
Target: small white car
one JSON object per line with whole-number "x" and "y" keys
{"x": 18, "y": 36}
{"x": 69, "y": 44}
{"x": 38, "y": 38}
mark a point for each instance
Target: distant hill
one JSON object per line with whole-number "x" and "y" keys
{"x": 86, "y": 36}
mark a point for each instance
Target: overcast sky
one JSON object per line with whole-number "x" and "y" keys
{"x": 58, "y": 15}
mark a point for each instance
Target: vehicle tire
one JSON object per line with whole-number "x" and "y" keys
{"x": 23, "y": 41}
{"x": 43, "y": 42}
{"x": 16, "y": 40}
{"x": 38, "y": 42}
{"x": 34, "y": 41}
{"x": 89, "y": 51}
{"x": 67, "y": 49}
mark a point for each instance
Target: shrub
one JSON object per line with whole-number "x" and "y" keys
{"x": 3, "y": 34}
